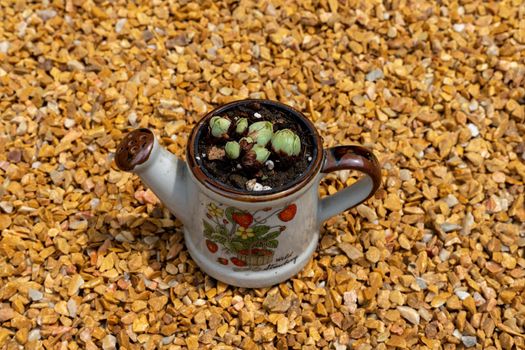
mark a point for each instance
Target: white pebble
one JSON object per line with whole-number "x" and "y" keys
{"x": 47, "y": 14}
{"x": 34, "y": 335}
{"x": 269, "y": 164}
{"x": 405, "y": 175}
{"x": 69, "y": 123}
{"x": 239, "y": 166}
{"x": 451, "y": 200}
{"x": 462, "y": 295}
{"x": 199, "y": 302}
{"x": 421, "y": 283}
{"x": 448, "y": 227}
{"x": 4, "y": 46}
{"x": 34, "y": 294}
{"x": 168, "y": 340}
{"x": 444, "y": 255}
{"x": 374, "y": 75}
{"x": 258, "y": 187}
{"x": 94, "y": 203}
{"x": 478, "y": 299}
{"x": 309, "y": 159}
{"x": 267, "y": 188}
{"x": 109, "y": 342}
{"x": 72, "y": 308}
{"x": 132, "y": 118}
{"x": 473, "y": 106}
{"x": 474, "y": 131}
{"x": 409, "y": 314}
{"x": 427, "y": 237}
{"x": 120, "y": 24}
{"x": 6, "y": 206}
{"x": 459, "y": 27}
{"x": 468, "y": 221}
{"x": 257, "y": 115}
{"x": 21, "y": 29}
{"x": 469, "y": 341}
{"x": 36, "y": 165}
{"x": 457, "y": 333}
{"x": 492, "y": 50}
{"x": 75, "y": 65}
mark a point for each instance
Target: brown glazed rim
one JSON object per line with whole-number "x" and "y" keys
{"x": 243, "y": 195}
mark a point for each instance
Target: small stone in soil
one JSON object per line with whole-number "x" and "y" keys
{"x": 250, "y": 184}
{"x": 216, "y": 153}
{"x": 269, "y": 164}
{"x": 257, "y": 115}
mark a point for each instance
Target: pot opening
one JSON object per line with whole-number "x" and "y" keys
{"x": 277, "y": 173}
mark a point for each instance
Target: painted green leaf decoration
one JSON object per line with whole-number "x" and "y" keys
{"x": 218, "y": 238}
{"x": 208, "y": 229}
{"x": 229, "y": 212}
{"x": 236, "y": 246}
{"x": 260, "y": 230}
{"x": 267, "y": 244}
{"x": 271, "y": 235}
{"x": 273, "y": 243}
{"x": 221, "y": 229}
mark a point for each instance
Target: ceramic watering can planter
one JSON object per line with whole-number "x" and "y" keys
{"x": 243, "y": 238}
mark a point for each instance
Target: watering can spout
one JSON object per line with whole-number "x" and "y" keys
{"x": 160, "y": 170}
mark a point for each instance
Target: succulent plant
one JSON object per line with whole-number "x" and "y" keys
{"x": 233, "y": 149}
{"x": 246, "y": 143}
{"x": 255, "y": 157}
{"x": 241, "y": 126}
{"x": 261, "y": 132}
{"x": 261, "y": 153}
{"x": 286, "y": 142}
{"x": 219, "y": 126}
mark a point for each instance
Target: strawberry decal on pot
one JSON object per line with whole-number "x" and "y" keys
{"x": 288, "y": 213}
{"x": 249, "y": 239}
{"x": 238, "y": 262}
{"x": 242, "y": 219}
{"x": 212, "y": 246}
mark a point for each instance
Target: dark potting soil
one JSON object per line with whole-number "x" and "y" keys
{"x": 284, "y": 171}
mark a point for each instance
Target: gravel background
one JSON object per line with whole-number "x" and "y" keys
{"x": 89, "y": 258}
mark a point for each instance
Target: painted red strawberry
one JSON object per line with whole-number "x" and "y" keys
{"x": 238, "y": 262}
{"x": 243, "y": 219}
{"x": 288, "y": 213}
{"x": 212, "y": 246}
{"x": 223, "y": 261}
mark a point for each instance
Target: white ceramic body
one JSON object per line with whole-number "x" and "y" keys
{"x": 284, "y": 232}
